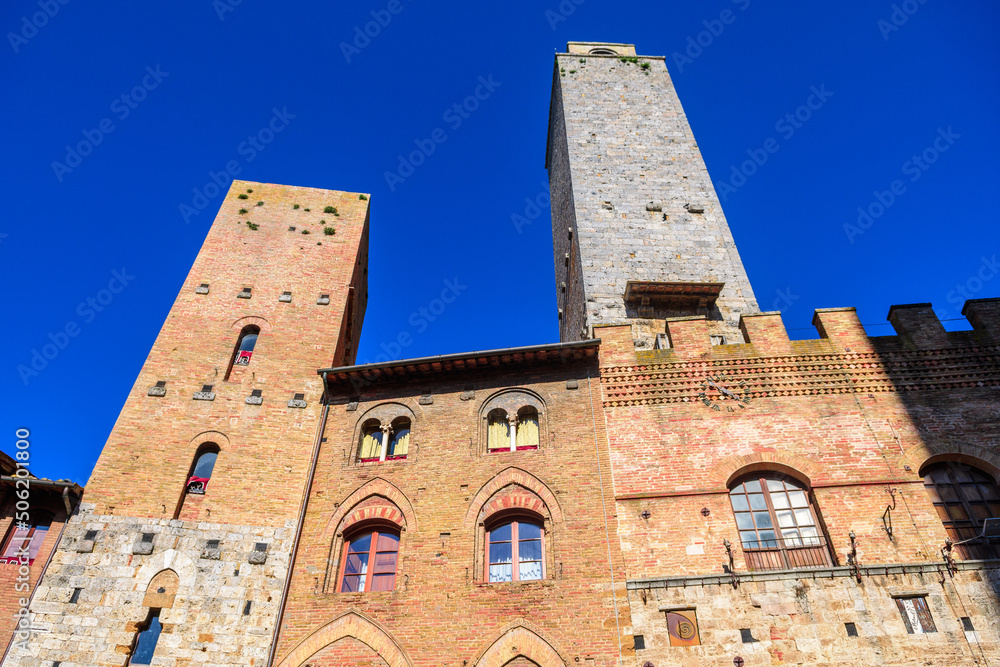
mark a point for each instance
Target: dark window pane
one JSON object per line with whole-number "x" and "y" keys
{"x": 500, "y": 533}
{"x": 248, "y": 343}
{"x": 356, "y": 564}
{"x": 362, "y": 544}
{"x": 529, "y": 550}
{"x": 353, "y": 584}
{"x": 528, "y": 531}
{"x": 500, "y": 552}
{"x": 205, "y": 465}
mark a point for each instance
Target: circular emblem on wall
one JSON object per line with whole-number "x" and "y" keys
{"x": 720, "y": 391}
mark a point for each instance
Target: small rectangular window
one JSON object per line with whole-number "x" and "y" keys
{"x": 300, "y": 397}
{"x": 76, "y": 596}
{"x": 916, "y": 615}
{"x": 212, "y": 544}
{"x": 246, "y": 608}
{"x": 206, "y": 388}
{"x": 90, "y": 535}
{"x": 260, "y": 546}
{"x": 147, "y": 538}
{"x": 256, "y": 392}
{"x": 747, "y": 636}
{"x": 967, "y": 624}
{"x": 640, "y": 642}
{"x": 852, "y": 630}
{"x": 161, "y": 383}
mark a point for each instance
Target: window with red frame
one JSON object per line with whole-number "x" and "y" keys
{"x": 369, "y": 562}
{"x": 244, "y": 348}
{"x": 25, "y": 540}
{"x": 201, "y": 471}
{"x": 514, "y": 551}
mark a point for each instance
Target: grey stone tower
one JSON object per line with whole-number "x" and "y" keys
{"x": 638, "y": 230}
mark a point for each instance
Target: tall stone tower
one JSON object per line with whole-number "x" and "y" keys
{"x": 190, "y": 516}
{"x": 639, "y": 233}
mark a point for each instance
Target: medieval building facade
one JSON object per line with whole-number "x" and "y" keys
{"x": 676, "y": 482}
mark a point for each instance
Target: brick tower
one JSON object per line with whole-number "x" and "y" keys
{"x": 191, "y": 510}
{"x": 639, "y": 234}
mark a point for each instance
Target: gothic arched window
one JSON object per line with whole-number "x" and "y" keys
{"x": 245, "y": 345}
{"x": 515, "y": 550}
{"x": 201, "y": 470}
{"x": 369, "y": 561}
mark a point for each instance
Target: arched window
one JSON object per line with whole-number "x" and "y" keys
{"x": 201, "y": 471}
{"x": 515, "y": 550}
{"x": 26, "y": 539}
{"x": 369, "y": 561}
{"x": 603, "y": 52}
{"x": 498, "y": 432}
{"x": 527, "y": 428}
{"x": 399, "y": 439}
{"x": 371, "y": 441}
{"x": 244, "y": 347}
{"x": 963, "y": 496}
{"x": 778, "y": 524}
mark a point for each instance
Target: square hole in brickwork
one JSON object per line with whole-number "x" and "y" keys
{"x": 256, "y": 392}
{"x": 73, "y": 599}
{"x": 212, "y": 544}
{"x": 291, "y": 229}
{"x": 246, "y": 608}
{"x": 260, "y": 546}
{"x": 852, "y": 629}
{"x": 90, "y": 535}
{"x": 640, "y": 642}
{"x": 300, "y": 397}
{"x": 161, "y": 383}
{"x": 747, "y": 636}
{"x": 147, "y": 538}
{"x": 206, "y": 388}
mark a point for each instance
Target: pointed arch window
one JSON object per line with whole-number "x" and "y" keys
{"x": 964, "y": 496}
{"x": 201, "y": 470}
{"x": 498, "y": 431}
{"x": 527, "y": 428}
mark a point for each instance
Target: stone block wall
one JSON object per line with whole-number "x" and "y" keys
{"x": 626, "y": 172}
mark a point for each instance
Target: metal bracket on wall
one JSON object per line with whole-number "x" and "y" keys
{"x": 731, "y": 569}
{"x": 887, "y": 514}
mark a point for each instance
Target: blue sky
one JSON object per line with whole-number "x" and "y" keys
{"x": 898, "y": 77}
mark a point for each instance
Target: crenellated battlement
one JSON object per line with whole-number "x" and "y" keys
{"x": 840, "y": 331}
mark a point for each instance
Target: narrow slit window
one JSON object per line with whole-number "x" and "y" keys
{"x": 527, "y": 429}
{"x": 201, "y": 471}
{"x": 245, "y": 344}
{"x": 145, "y": 641}
{"x": 916, "y": 615}
{"x": 498, "y": 432}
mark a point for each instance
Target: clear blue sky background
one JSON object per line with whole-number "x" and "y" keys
{"x": 118, "y": 209}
